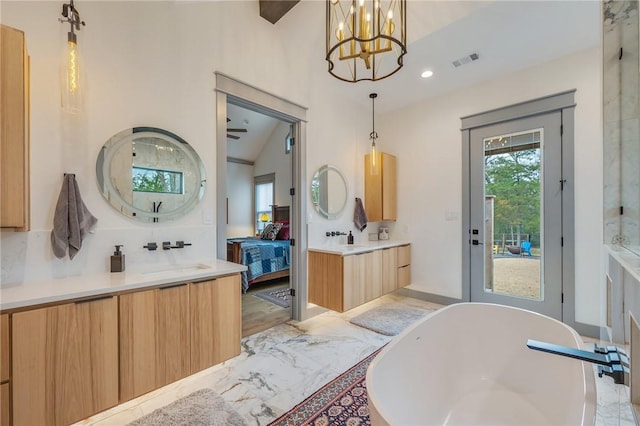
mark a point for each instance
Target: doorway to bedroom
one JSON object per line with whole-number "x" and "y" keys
{"x": 259, "y": 180}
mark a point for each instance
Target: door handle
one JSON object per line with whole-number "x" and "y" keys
{"x": 476, "y": 243}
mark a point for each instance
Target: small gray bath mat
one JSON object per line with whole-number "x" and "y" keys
{"x": 389, "y": 319}
{"x": 278, "y": 296}
{"x": 203, "y": 407}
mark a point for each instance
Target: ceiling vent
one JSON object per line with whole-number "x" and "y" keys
{"x": 465, "y": 60}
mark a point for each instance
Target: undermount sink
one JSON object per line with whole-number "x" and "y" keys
{"x": 185, "y": 269}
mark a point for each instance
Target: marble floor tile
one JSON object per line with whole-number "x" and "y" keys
{"x": 280, "y": 367}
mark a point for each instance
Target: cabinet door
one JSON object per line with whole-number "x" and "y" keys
{"x": 216, "y": 321}
{"x": 372, "y": 277}
{"x": 404, "y": 255}
{"x": 154, "y": 339}
{"x": 354, "y": 280}
{"x": 14, "y": 140}
{"x": 326, "y": 275}
{"x": 389, "y": 270}
{"x": 389, "y": 191}
{"x": 4, "y": 404}
{"x": 404, "y": 276}
{"x": 137, "y": 343}
{"x": 65, "y": 362}
{"x": 4, "y": 348}
{"x": 380, "y": 192}
{"x": 173, "y": 331}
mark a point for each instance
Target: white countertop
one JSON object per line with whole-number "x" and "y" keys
{"x": 629, "y": 260}
{"x": 346, "y": 249}
{"x": 25, "y": 294}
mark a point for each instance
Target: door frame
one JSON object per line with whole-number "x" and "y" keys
{"x": 564, "y": 102}
{"x": 250, "y": 97}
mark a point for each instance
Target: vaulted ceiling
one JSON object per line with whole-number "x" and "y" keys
{"x": 507, "y": 36}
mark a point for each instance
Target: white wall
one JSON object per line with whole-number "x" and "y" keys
{"x": 153, "y": 63}
{"x": 240, "y": 197}
{"x": 427, "y": 140}
{"x": 272, "y": 159}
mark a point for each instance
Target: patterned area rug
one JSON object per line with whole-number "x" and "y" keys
{"x": 389, "y": 319}
{"x": 203, "y": 407}
{"x": 278, "y": 296}
{"x": 341, "y": 402}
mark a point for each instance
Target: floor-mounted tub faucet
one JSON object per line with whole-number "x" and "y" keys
{"x": 611, "y": 361}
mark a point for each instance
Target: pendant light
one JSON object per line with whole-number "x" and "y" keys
{"x": 71, "y": 89}
{"x": 373, "y": 156}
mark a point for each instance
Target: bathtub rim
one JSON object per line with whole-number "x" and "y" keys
{"x": 590, "y": 396}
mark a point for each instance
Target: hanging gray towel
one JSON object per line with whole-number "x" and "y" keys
{"x": 72, "y": 220}
{"x": 360, "y": 216}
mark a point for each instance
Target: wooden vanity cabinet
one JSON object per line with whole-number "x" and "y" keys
{"x": 216, "y": 321}
{"x": 380, "y": 192}
{"x": 64, "y": 362}
{"x": 342, "y": 282}
{"x": 14, "y": 130}
{"x": 154, "y": 339}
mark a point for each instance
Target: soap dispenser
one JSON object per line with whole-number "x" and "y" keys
{"x": 350, "y": 238}
{"x": 117, "y": 260}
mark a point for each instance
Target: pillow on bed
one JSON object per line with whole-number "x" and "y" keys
{"x": 284, "y": 233}
{"x": 271, "y": 231}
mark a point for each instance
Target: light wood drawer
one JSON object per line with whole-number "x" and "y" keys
{"x": 404, "y": 255}
{"x": 404, "y": 276}
{"x": 4, "y": 348}
{"x": 4, "y": 404}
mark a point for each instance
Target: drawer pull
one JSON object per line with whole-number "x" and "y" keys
{"x": 202, "y": 282}
{"x": 95, "y": 299}
{"x": 167, "y": 287}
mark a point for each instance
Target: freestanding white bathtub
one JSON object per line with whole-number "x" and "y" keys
{"x": 468, "y": 364}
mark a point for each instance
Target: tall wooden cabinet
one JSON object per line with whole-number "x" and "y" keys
{"x": 14, "y": 130}
{"x": 65, "y": 362}
{"x": 380, "y": 191}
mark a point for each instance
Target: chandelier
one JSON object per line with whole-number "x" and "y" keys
{"x": 366, "y": 39}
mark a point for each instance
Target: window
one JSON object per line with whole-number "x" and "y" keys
{"x": 264, "y": 200}
{"x": 156, "y": 180}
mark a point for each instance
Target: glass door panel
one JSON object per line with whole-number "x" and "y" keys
{"x": 516, "y": 214}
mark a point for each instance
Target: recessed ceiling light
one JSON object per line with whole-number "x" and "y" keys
{"x": 426, "y": 74}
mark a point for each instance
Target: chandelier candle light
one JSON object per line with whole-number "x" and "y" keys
{"x": 71, "y": 94}
{"x": 366, "y": 39}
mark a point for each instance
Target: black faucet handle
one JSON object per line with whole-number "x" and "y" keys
{"x": 181, "y": 244}
{"x": 151, "y": 246}
{"x": 166, "y": 245}
{"x": 617, "y": 372}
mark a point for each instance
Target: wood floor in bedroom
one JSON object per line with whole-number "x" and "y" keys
{"x": 258, "y": 314}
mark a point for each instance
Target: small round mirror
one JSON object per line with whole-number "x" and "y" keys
{"x": 329, "y": 192}
{"x": 150, "y": 174}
